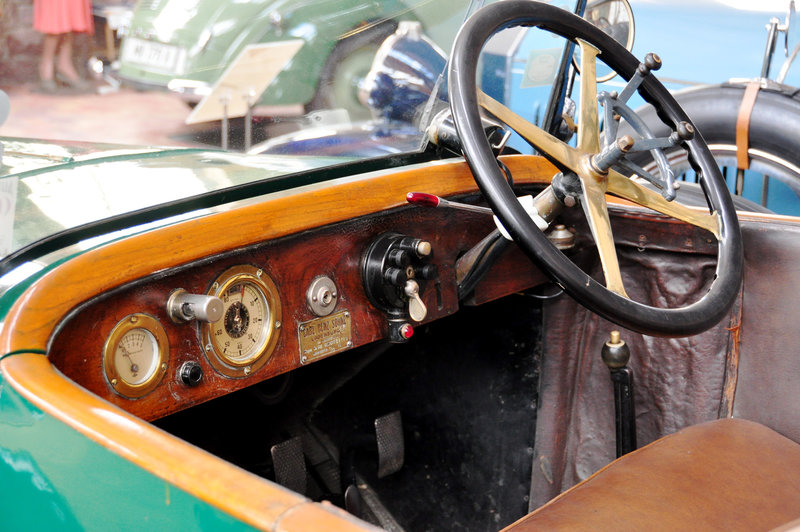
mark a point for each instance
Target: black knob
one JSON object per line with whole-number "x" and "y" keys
{"x": 615, "y": 352}
{"x": 427, "y": 272}
{"x": 395, "y": 276}
{"x": 191, "y": 373}
{"x": 399, "y": 258}
{"x": 651, "y": 62}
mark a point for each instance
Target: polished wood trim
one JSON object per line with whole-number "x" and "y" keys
{"x": 323, "y": 516}
{"x": 33, "y": 317}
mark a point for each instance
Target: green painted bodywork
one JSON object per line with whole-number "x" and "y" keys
{"x": 54, "y": 478}
{"x": 214, "y": 33}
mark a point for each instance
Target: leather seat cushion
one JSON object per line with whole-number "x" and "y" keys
{"x": 728, "y": 474}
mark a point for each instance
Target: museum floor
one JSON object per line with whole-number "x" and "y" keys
{"x": 116, "y": 117}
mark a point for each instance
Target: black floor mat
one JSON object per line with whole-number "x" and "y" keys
{"x": 466, "y": 388}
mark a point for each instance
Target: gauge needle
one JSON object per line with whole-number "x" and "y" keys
{"x": 134, "y": 367}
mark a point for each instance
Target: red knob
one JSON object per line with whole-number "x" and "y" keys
{"x": 406, "y": 331}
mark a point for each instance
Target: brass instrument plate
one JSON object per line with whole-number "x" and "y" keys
{"x": 324, "y": 336}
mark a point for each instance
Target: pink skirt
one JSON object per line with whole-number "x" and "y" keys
{"x": 63, "y": 16}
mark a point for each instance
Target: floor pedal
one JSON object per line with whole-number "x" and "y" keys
{"x": 391, "y": 445}
{"x": 290, "y": 465}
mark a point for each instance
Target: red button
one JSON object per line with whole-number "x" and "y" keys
{"x": 406, "y": 331}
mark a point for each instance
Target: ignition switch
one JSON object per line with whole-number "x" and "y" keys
{"x": 322, "y": 295}
{"x": 396, "y": 268}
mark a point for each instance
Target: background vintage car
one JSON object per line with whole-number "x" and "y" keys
{"x": 188, "y": 45}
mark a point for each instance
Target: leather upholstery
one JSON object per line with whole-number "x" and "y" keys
{"x": 728, "y": 474}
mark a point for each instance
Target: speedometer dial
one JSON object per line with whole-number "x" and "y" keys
{"x": 243, "y": 340}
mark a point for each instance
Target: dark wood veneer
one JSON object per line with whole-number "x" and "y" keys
{"x": 292, "y": 263}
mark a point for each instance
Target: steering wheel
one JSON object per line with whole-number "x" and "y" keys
{"x": 609, "y": 301}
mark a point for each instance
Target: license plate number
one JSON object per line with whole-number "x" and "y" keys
{"x": 164, "y": 57}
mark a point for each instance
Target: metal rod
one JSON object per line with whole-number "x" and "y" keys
{"x": 624, "y": 410}
{"x": 739, "y": 182}
{"x": 248, "y": 128}
{"x": 224, "y": 131}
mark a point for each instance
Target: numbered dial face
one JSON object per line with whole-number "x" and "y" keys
{"x": 135, "y": 355}
{"x": 241, "y": 334}
{"x": 243, "y": 339}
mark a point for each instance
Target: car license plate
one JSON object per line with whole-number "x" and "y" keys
{"x": 164, "y": 57}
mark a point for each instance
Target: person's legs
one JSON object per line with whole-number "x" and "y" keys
{"x": 64, "y": 65}
{"x": 49, "y": 46}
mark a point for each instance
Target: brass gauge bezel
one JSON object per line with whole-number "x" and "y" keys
{"x": 123, "y": 327}
{"x": 268, "y": 329}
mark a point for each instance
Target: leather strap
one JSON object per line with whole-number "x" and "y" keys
{"x": 743, "y": 124}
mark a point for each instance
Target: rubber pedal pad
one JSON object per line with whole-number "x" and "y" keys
{"x": 290, "y": 465}
{"x": 391, "y": 445}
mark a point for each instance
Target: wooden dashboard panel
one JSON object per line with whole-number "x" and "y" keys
{"x": 292, "y": 262}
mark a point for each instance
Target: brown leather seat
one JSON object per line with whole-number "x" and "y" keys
{"x": 728, "y": 474}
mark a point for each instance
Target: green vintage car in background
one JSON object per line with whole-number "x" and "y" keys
{"x": 187, "y": 45}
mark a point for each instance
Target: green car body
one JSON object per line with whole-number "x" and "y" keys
{"x": 46, "y": 482}
{"x": 48, "y": 486}
{"x": 200, "y": 39}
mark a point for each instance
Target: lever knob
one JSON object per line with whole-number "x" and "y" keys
{"x": 183, "y": 306}
{"x": 416, "y": 308}
{"x": 615, "y": 352}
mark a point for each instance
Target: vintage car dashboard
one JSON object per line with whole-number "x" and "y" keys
{"x": 149, "y": 346}
{"x": 181, "y": 315}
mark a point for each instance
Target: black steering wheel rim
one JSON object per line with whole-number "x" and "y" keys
{"x": 692, "y": 319}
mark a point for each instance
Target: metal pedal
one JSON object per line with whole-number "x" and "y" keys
{"x": 290, "y": 465}
{"x": 352, "y": 500}
{"x": 391, "y": 445}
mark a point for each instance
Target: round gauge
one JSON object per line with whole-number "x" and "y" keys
{"x": 135, "y": 355}
{"x": 242, "y": 341}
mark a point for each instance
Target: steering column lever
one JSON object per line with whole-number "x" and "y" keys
{"x": 651, "y": 62}
{"x": 616, "y": 355}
